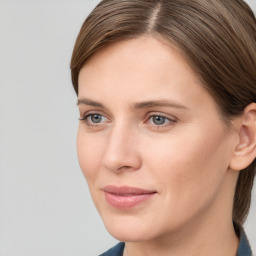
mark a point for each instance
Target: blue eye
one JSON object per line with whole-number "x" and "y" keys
{"x": 159, "y": 120}
{"x": 95, "y": 118}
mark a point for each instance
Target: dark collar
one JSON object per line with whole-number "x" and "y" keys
{"x": 244, "y": 248}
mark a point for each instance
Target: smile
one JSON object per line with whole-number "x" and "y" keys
{"x": 126, "y": 197}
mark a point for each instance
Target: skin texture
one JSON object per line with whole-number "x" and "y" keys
{"x": 186, "y": 160}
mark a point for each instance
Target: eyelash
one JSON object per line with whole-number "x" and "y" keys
{"x": 90, "y": 123}
{"x": 167, "y": 121}
{"x": 170, "y": 121}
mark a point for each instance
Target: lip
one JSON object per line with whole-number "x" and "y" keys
{"x": 126, "y": 197}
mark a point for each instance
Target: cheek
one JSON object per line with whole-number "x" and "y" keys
{"x": 188, "y": 166}
{"x": 189, "y": 173}
{"x": 89, "y": 151}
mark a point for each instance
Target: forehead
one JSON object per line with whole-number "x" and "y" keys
{"x": 131, "y": 48}
{"x": 138, "y": 56}
{"x": 140, "y": 69}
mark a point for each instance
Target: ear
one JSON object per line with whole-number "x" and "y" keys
{"x": 245, "y": 150}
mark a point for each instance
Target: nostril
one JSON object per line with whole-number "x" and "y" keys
{"x": 124, "y": 168}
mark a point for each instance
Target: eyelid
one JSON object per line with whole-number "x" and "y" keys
{"x": 88, "y": 123}
{"x": 167, "y": 116}
{"x": 161, "y": 127}
{"x": 92, "y": 112}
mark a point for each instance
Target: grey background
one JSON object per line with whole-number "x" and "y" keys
{"x": 45, "y": 206}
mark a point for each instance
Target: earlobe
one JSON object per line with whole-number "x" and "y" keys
{"x": 245, "y": 150}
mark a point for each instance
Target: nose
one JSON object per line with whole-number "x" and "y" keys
{"x": 122, "y": 150}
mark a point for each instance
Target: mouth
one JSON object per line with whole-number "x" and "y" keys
{"x": 126, "y": 197}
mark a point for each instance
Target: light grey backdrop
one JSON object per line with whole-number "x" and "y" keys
{"x": 45, "y": 206}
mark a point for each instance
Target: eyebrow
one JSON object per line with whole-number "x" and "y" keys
{"x": 139, "y": 105}
{"x": 160, "y": 103}
{"x": 89, "y": 103}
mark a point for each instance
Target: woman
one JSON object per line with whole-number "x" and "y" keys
{"x": 167, "y": 135}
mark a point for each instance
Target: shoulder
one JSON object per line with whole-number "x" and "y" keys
{"x": 115, "y": 251}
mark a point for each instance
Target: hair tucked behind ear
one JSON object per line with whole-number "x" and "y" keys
{"x": 217, "y": 38}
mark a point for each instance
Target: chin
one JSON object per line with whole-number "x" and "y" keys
{"x": 128, "y": 228}
{"x": 128, "y": 234}
{"x": 132, "y": 228}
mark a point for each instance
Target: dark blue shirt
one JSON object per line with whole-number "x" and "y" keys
{"x": 243, "y": 249}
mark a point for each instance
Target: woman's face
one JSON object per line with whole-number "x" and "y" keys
{"x": 152, "y": 145}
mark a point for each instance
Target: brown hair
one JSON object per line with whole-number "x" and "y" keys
{"x": 217, "y": 38}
